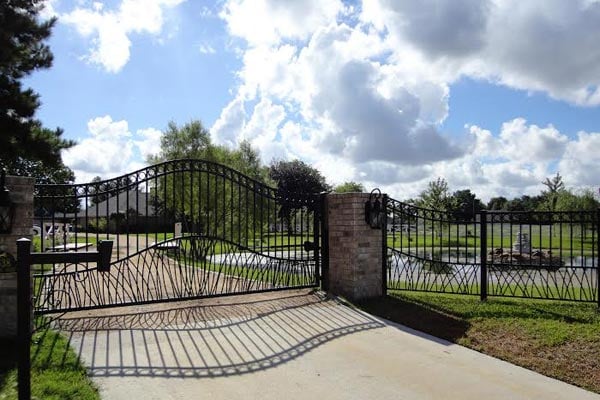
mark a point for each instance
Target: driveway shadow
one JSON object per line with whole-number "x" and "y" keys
{"x": 209, "y": 340}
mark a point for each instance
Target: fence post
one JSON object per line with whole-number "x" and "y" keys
{"x": 483, "y": 254}
{"x": 598, "y": 256}
{"x": 317, "y": 245}
{"x": 24, "y": 318}
{"x": 384, "y": 255}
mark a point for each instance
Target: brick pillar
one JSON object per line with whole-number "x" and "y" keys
{"x": 355, "y": 249}
{"x": 21, "y": 194}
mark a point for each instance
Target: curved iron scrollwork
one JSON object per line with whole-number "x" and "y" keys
{"x": 183, "y": 228}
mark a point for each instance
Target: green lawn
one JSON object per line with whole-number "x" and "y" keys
{"x": 507, "y": 289}
{"x": 37, "y": 241}
{"x": 568, "y": 241}
{"x": 557, "y": 339}
{"x": 269, "y": 243}
{"x": 267, "y": 275}
{"x": 56, "y": 372}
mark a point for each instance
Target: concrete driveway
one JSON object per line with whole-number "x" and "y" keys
{"x": 286, "y": 345}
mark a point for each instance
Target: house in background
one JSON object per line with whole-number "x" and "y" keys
{"x": 130, "y": 211}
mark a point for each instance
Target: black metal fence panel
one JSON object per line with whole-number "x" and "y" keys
{"x": 181, "y": 229}
{"x": 544, "y": 255}
{"x": 429, "y": 250}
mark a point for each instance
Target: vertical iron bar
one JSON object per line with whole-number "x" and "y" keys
{"x": 191, "y": 227}
{"x": 231, "y": 206}
{"x": 208, "y": 210}
{"x": 128, "y": 228}
{"x": 247, "y": 213}
{"x": 597, "y": 255}
{"x": 182, "y": 215}
{"x": 316, "y": 210}
{"x": 254, "y": 216}
{"x": 223, "y": 203}
{"x": 483, "y": 254}
{"x": 24, "y": 318}
{"x": 384, "y": 252}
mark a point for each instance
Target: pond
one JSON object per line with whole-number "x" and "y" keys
{"x": 462, "y": 272}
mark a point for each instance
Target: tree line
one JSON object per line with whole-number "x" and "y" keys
{"x": 464, "y": 204}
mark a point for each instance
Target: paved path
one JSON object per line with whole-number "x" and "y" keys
{"x": 286, "y": 345}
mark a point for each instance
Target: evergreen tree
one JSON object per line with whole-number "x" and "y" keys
{"x": 22, "y": 137}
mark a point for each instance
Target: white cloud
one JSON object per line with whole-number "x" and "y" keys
{"x": 518, "y": 141}
{"x": 541, "y": 45}
{"x": 149, "y": 143}
{"x": 110, "y": 149}
{"x": 349, "y": 104}
{"x": 581, "y": 162}
{"x": 110, "y": 30}
{"x": 361, "y": 92}
{"x": 230, "y": 123}
{"x": 454, "y": 28}
{"x": 266, "y": 22}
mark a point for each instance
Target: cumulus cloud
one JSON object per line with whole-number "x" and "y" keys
{"x": 148, "y": 142}
{"x": 452, "y": 28}
{"x": 347, "y": 103}
{"x": 540, "y": 45}
{"x": 518, "y": 141}
{"x": 110, "y": 30}
{"x": 110, "y": 149}
{"x": 266, "y": 22}
{"x": 362, "y": 93}
{"x": 581, "y": 162}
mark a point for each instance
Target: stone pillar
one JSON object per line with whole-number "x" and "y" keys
{"x": 21, "y": 194}
{"x": 355, "y": 249}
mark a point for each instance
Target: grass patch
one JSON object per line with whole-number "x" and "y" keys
{"x": 472, "y": 287}
{"x": 271, "y": 275}
{"x": 557, "y": 339}
{"x": 571, "y": 241}
{"x": 37, "y": 241}
{"x": 56, "y": 372}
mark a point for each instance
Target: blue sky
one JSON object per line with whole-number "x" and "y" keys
{"x": 492, "y": 95}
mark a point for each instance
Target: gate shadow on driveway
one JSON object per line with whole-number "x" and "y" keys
{"x": 224, "y": 337}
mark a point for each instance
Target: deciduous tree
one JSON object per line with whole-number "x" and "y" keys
{"x": 349, "y": 187}
{"x": 436, "y": 196}
{"x": 295, "y": 181}
{"x": 466, "y": 205}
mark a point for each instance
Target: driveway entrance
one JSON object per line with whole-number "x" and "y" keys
{"x": 285, "y": 345}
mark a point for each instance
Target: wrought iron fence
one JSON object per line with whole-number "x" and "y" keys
{"x": 181, "y": 229}
{"x": 545, "y": 255}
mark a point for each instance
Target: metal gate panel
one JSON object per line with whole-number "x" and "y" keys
{"x": 181, "y": 229}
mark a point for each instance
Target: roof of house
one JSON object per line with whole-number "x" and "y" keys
{"x": 131, "y": 200}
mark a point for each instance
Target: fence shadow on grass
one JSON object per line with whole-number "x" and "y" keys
{"x": 417, "y": 316}
{"x": 209, "y": 340}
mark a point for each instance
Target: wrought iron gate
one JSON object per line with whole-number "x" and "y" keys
{"x": 182, "y": 229}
